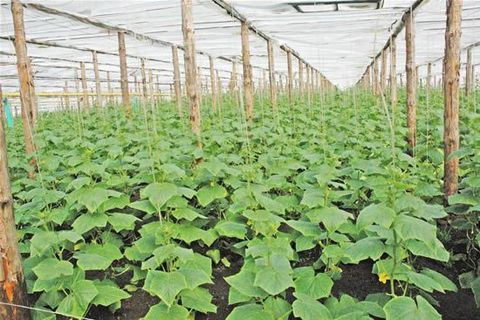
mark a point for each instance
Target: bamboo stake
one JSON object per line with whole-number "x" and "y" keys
{"x": 98, "y": 89}
{"x": 469, "y": 75}
{"x": 219, "y": 90}
{"x": 176, "y": 81}
{"x": 247, "y": 72}
{"x": 122, "y": 54}
{"x": 393, "y": 75}
{"x": 451, "y": 67}
{"x": 144, "y": 80}
{"x": 86, "y": 103}
{"x": 150, "y": 86}
{"x": 271, "y": 75}
{"x": 213, "y": 85}
{"x": 191, "y": 69}
{"x": 33, "y": 96}
{"x": 290, "y": 77}
{"x": 375, "y": 77}
{"x": 429, "y": 76}
{"x": 67, "y": 98}
{"x": 300, "y": 79}
{"x": 77, "y": 89}
{"x": 383, "y": 74}
{"x": 411, "y": 81}
{"x": 24, "y": 76}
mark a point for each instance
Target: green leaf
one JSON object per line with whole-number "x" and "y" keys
{"x": 231, "y": 229}
{"x": 307, "y": 308}
{"x": 144, "y": 206}
{"x": 413, "y": 228}
{"x": 378, "y": 214}
{"x": 92, "y": 198}
{"x": 52, "y": 268}
{"x": 42, "y": 242}
{"x": 198, "y": 299}
{"x": 401, "y": 308}
{"x": 366, "y": 248}
{"x": 319, "y": 286}
{"x": 463, "y": 198}
{"x": 444, "y": 282}
{"x": 97, "y": 256}
{"x": 187, "y": 214}
{"x": 249, "y": 312}
{"x": 306, "y": 228}
{"x": 475, "y": 286}
{"x": 207, "y": 194}
{"x": 277, "y": 307}
{"x": 84, "y": 291}
{"x": 273, "y": 280}
{"x": 122, "y": 221}
{"x": 166, "y": 285}
{"x": 331, "y": 217}
{"x": 87, "y": 222}
{"x": 243, "y": 282}
{"x": 159, "y": 193}
{"x": 108, "y": 294}
{"x": 162, "y": 311}
{"x": 313, "y": 198}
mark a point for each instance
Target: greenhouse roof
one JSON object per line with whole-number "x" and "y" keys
{"x": 338, "y": 38}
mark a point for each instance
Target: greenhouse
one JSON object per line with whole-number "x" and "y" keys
{"x": 239, "y": 159}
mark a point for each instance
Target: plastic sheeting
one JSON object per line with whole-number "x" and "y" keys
{"x": 340, "y": 44}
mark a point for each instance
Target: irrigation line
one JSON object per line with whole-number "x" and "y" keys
{"x": 44, "y": 310}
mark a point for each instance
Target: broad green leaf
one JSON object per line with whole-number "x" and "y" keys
{"x": 207, "y": 194}
{"x": 198, "y": 299}
{"x": 313, "y": 198}
{"x": 307, "y": 308}
{"x": 165, "y": 285}
{"x": 52, "y": 268}
{"x": 277, "y": 307}
{"x": 378, "y": 214}
{"x": 249, "y": 312}
{"x": 231, "y": 229}
{"x": 122, "y": 221}
{"x": 366, "y": 248}
{"x": 159, "y": 193}
{"x": 108, "y": 294}
{"x": 92, "y": 198}
{"x": 413, "y": 228}
{"x": 144, "y": 206}
{"x": 97, "y": 256}
{"x": 162, "y": 311}
{"x": 331, "y": 217}
{"x": 88, "y": 221}
{"x": 319, "y": 286}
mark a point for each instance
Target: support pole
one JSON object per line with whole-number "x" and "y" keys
{"x": 98, "y": 89}
{"x": 83, "y": 75}
{"x": 77, "y": 89}
{"x": 213, "y": 86}
{"x": 300, "y": 79}
{"x": 191, "y": 69}
{"x": 26, "y": 84}
{"x": 67, "y": 98}
{"x": 176, "y": 81}
{"x": 271, "y": 75}
{"x": 375, "y": 76}
{"x": 429, "y": 76}
{"x": 469, "y": 75}
{"x": 393, "y": 74}
{"x": 383, "y": 74}
{"x": 109, "y": 87}
{"x": 290, "y": 76}
{"x": 144, "y": 80}
{"x": 122, "y": 54}
{"x": 247, "y": 72}
{"x": 411, "y": 81}
{"x": 12, "y": 281}
{"x": 451, "y": 67}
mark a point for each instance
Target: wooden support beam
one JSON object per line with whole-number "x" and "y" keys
{"x": 213, "y": 85}
{"x": 191, "y": 69}
{"x": 122, "y": 54}
{"x": 300, "y": 79}
{"x": 247, "y": 72}
{"x": 77, "y": 89}
{"x": 144, "y": 80}
{"x": 26, "y": 82}
{"x": 98, "y": 89}
{"x": 67, "y": 97}
{"x": 451, "y": 67}
{"x": 290, "y": 77}
{"x": 271, "y": 75}
{"x": 383, "y": 74}
{"x": 429, "y": 76}
{"x": 12, "y": 281}
{"x": 393, "y": 74}
{"x": 469, "y": 74}
{"x": 176, "y": 81}
{"x": 375, "y": 77}
{"x": 86, "y": 103}
{"x": 411, "y": 81}
{"x": 150, "y": 86}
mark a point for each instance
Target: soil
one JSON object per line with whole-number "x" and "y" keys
{"x": 357, "y": 281}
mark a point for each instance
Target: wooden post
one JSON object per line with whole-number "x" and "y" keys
{"x": 219, "y": 89}
{"x": 307, "y": 70}
{"x": 300, "y": 79}
{"x": 86, "y": 103}
{"x": 383, "y": 74}
{"x": 271, "y": 75}
{"x": 429, "y": 76}
{"x": 469, "y": 75}
{"x": 451, "y": 67}
{"x": 233, "y": 86}
{"x": 213, "y": 85}
{"x": 24, "y": 76}
{"x": 122, "y": 54}
{"x": 150, "y": 86}
{"x": 77, "y": 89}
{"x": 176, "y": 81}
{"x": 98, "y": 89}
{"x": 393, "y": 73}
{"x": 67, "y": 98}
{"x": 12, "y": 281}
{"x": 191, "y": 69}
{"x": 411, "y": 80}
{"x": 109, "y": 87}
{"x": 375, "y": 77}
{"x": 290, "y": 77}
{"x": 144, "y": 80}
{"x": 247, "y": 71}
